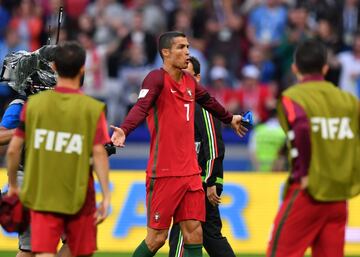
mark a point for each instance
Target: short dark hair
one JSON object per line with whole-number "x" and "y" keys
{"x": 196, "y": 65}
{"x": 310, "y": 56}
{"x": 165, "y": 40}
{"x": 69, "y": 58}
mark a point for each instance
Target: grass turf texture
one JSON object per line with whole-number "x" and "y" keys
{"x": 13, "y": 254}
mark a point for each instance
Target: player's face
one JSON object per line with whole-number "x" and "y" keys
{"x": 190, "y": 69}
{"x": 179, "y": 53}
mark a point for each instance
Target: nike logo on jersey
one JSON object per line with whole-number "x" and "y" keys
{"x": 172, "y": 91}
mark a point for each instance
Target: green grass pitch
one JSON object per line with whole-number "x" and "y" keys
{"x": 13, "y": 254}
{"x": 100, "y": 254}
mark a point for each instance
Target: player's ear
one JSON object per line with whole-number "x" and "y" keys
{"x": 82, "y": 70}
{"x": 53, "y": 66}
{"x": 198, "y": 77}
{"x": 165, "y": 52}
{"x": 325, "y": 69}
{"x": 296, "y": 71}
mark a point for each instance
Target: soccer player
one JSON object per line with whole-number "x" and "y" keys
{"x": 8, "y": 124}
{"x": 322, "y": 126}
{"x": 173, "y": 182}
{"x": 210, "y": 149}
{"x": 58, "y": 188}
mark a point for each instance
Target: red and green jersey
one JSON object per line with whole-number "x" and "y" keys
{"x": 171, "y": 123}
{"x": 169, "y": 107}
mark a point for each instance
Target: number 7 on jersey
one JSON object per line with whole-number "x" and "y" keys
{"x": 187, "y": 107}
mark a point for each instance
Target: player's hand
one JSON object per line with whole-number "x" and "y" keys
{"x": 118, "y": 136}
{"x": 13, "y": 191}
{"x": 237, "y": 125}
{"x": 211, "y": 194}
{"x": 102, "y": 210}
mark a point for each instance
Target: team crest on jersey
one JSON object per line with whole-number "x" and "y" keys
{"x": 157, "y": 217}
{"x": 188, "y": 90}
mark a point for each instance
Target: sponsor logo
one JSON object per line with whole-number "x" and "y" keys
{"x": 143, "y": 93}
{"x": 58, "y": 141}
{"x": 172, "y": 91}
{"x": 332, "y": 128}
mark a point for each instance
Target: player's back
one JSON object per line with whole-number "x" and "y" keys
{"x": 332, "y": 116}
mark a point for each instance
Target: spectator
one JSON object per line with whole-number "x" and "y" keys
{"x": 184, "y": 22}
{"x": 95, "y": 68}
{"x": 131, "y": 75}
{"x": 251, "y": 95}
{"x": 27, "y": 21}
{"x": 138, "y": 35}
{"x": 320, "y": 9}
{"x": 350, "y": 68}
{"x": 4, "y": 19}
{"x": 266, "y": 141}
{"x": 326, "y": 34}
{"x": 74, "y": 9}
{"x": 257, "y": 57}
{"x": 224, "y": 34}
{"x": 348, "y": 22}
{"x": 191, "y": 19}
{"x": 297, "y": 30}
{"x": 154, "y": 17}
{"x": 11, "y": 43}
{"x": 106, "y": 13}
{"x": 51, "y": 17}
{"x": 267, "y": 24}
{"x": 219, "y": 81}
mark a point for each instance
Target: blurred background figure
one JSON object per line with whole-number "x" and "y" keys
{"x": 251, "y": 95}
{"x": 257, "y": 57}
{"x": 224, "y": 34}
{"x": 219, "y": 80}
{"x": 267, "y": 23}
{"x": 95, "y": 67}
{"x": 326, "y": 33}
{"x": 134, "y": 69}
{"x": 266, "y": 142}
{"x": 348, "y": 22}
{"x": 350, "y": 68}
{"x": 11, "y": 43}
{"x": 27, "y": 20}
{"x": 297, "y": 29}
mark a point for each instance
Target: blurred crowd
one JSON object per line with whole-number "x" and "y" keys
{"x": 245, "y": 47}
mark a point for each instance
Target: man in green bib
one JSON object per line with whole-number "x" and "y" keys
{"x": 64, "y": 132}
{"x": 322, "y": 127}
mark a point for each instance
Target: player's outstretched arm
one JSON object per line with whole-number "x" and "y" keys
{"x": 101, "y": 167}
{"x": 13, "y": 157}
{"x": 118, "y": 137}
{"x": 237, "y": 126}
